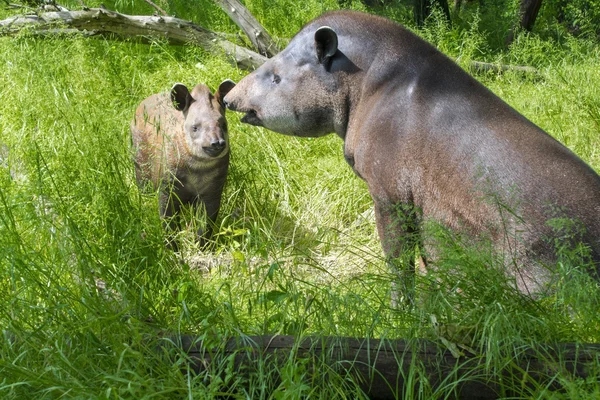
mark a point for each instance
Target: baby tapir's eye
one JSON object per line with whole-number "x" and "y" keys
{"x": 276, "y": 78}
{"x": 195, "y": 128}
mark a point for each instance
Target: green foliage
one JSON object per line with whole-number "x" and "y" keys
{"x": 88, "y": 290}
{"x": 580, "y": 17}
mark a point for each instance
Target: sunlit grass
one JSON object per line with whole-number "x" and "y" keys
{"x": 87, "y": 286}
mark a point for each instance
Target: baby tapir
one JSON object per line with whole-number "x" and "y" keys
{"x": 431, "y": 142}
{"x": 181, "y": 147}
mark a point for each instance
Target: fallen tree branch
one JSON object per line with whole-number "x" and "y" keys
{"x": 102, "y": 21}
{"x": 258, "y": 35}
{"x": 383, "y": 368}
{"x": 160, "y": 10}
{"x": 479, "y": 66}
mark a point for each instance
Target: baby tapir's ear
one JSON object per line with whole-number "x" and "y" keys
{"x": 181, "y": 97}
{"x": 326, "y": 45}
{"x": 223, "y": 89}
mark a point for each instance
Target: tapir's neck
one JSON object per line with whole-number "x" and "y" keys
{"x": 375, "y": 74}
{"x": 341, "y": 115}
{"x": 346, "y": 101}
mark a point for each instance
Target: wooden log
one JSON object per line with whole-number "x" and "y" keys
{"x": 383, "y": 368}
{"x": 258, "y": 35}
{"x": 103, "y": 21}
{"x": 479, "y": 66}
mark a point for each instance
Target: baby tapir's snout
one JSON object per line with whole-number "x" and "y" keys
{"x": 216, "y": 147}
{"x": 181, "y": 147}
{"x": 215, "y": 141}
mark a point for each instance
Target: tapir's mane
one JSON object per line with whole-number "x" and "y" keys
{"x": 349, "y": 22}
{"x": 375, "y": 34}
{"x": 382, "y": 41}
{"x": 202, "y": 93}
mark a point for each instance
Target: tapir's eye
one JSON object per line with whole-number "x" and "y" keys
{"x": 276, "y": 78}
{"x": 195, "y": 128}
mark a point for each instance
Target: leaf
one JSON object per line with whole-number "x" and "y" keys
{"x": 276, "y": 296}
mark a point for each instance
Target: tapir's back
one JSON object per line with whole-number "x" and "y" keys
{"x": 420, "y": 108}
{"x": 155, "y": 134}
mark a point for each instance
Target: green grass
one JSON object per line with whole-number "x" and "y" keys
{"x": 87, "y": 287}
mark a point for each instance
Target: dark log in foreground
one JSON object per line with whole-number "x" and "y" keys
{"x": 385, "y": 368}
{"x": 102, "y": 21}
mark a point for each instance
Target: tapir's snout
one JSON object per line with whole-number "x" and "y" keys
{"x": 235, "y": 99}
{"x": 216, "y": 147}
{"x": 228, "y": 102}
{"x": 233, "y": 103}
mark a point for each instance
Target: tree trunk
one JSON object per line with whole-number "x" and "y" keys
{"x": 528, "y": 12}
{"x": 457, "y": 6}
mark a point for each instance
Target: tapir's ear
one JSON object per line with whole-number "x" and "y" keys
{"x": 180, "y": 96}
{"x": 326, "y": 44}
{"x": 223, "y": 89}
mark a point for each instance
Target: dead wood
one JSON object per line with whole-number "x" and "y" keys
{"x": 383, "y": 368}
{"x": 258, "y": 35}
{"x": 100, "y": 21}
{"x": 479, "y": 66}
{"x": 157, "y": 8}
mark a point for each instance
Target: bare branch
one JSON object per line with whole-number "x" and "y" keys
{"x": 160, "y": 10}
{"x": 257, "y": 34}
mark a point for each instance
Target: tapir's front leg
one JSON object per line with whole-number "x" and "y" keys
{"x": 397, "y": 225}
{"x": 169, "y": 205}
{"x": 211, "y": 205}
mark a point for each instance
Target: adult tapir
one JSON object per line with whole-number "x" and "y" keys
{"x": 431, "y": 142}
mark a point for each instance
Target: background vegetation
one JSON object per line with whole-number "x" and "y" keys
{"x": 88, "y": 289}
